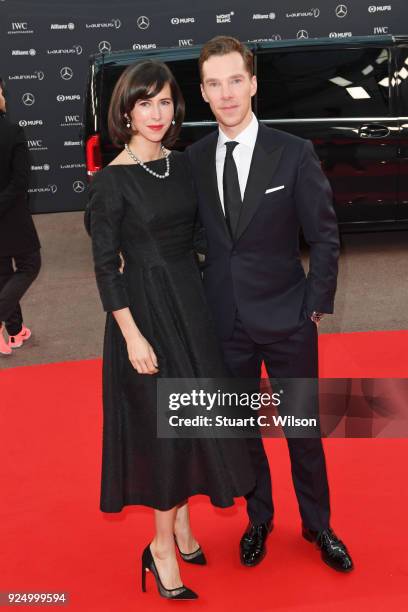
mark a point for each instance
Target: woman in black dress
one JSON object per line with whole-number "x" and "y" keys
{"x": 141, "y": 214}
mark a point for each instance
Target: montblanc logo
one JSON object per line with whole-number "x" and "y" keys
{"x": 47, "y": 189}
{"x": 20, "y": 27}
{"x": 379, "y": 9}
{"x": 186, "y": 42}
{"x": 341, "y": 11}
{"x": 340, "y": 34}
{"x": 36, "y": 145}
{"x": 71, "y": 120}
{"x": 38, "y": 74}
{"x": 44, "y": 167}
{"x": 313, "y": 12}
{"x": 143, "y": 22}
{"x": 72, "y": 166}
{"x": 181, "y": 20}
{"x": 265, "y": 16}
{"x": 75, "y": 50}
{"x": 30, "y": 122}
{"x": 104, "y": 46}
{"x": 66, "y": 73}
{"x": 73, "y": 143}
{"x": 224, "y": 18}
{"x": 30, "y": 52}
{"x": 144, "y": 46}
{"x": 28, "y": 99}
{"x": 68, "y": 98}
{"x": 62, "y": 26}
{"x": 113, "y": 23}
{"x": 78, "y": 186}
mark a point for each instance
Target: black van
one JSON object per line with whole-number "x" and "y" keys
{"x": 349, "y": 96}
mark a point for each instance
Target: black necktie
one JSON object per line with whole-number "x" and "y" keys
{"x": 232, "y": 192}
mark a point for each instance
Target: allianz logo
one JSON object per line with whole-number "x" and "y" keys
{"x": 73, "y": 143}
{"x": 44, "y": 167}
{"x": 265, "y": 16}
{"x": 31, "y": 52}
{"x": 143, "y": 46}
{"x": 379, "y": 9}
{"x": 340, "y": 34}
{"x": 62, "y": 26}
{"x": 180, "y": 20}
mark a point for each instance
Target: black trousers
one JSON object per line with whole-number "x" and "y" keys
{"x": 13, "y": 285}
{"x": 293, "y": 357}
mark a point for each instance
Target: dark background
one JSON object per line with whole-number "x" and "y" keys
{"x": 46, "y": 53}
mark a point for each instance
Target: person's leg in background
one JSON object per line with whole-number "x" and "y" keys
{"x": 13, "y": 285}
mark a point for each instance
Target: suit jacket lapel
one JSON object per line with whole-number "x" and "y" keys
{"x": 210, "y": 184}
{"x": 265, "y": 160}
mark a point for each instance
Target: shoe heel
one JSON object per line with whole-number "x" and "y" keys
{"x": 143, "y": 578}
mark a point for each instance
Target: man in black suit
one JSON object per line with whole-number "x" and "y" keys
{"x": 18, "y": 237}
{"x": 256, "y": 188}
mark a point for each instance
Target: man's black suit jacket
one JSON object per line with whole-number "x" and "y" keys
{"x": 17, "y": 232}
{"x": 259, "y": 272}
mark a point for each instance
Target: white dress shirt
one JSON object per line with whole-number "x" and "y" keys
{"x": 242, "y": 155}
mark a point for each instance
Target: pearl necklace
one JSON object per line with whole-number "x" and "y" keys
{"x": 152, "y": 172}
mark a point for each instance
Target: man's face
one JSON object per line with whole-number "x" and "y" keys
{"x": 2, "y": 101}
{"x": 228, "y": 88}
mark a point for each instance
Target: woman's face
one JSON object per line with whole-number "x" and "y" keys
{"x": 152, "y": 118}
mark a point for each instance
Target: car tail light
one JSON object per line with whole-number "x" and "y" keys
{"x": 93, "y": 155}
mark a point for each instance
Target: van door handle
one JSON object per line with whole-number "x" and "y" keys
{"x": 373, "y": 130}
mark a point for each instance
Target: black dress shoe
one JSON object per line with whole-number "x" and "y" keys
{"x": 333, "y": 550}
{"x": 253, "y": 543}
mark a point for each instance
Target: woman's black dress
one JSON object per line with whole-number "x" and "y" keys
{"x": 151, "y": 222}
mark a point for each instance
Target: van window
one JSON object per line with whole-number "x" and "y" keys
{"x": 323, "y": 83}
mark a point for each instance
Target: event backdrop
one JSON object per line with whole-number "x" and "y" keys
{"x": 44, "y": 49}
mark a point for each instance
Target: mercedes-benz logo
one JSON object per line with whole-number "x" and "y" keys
{"x": 78, "y": 186}
{"x": 104, "y": 46}
{"x": 341, "y": 11}
{"x": 53, "y": 188}
{"x": 28, "y": 99}
{"x": 143, "y": 22}
{"x": 117, "y": 23}
{"x": 302, "y": 34}
{"x": 66, "y": 73}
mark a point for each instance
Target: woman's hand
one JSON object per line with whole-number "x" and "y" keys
{"x": 141, "y": 355}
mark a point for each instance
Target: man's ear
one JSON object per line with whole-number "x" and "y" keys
{"x": 254, "y": 85}
{"x": 203, "y": 93}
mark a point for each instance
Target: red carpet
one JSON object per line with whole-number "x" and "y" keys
{"x": 53, "y": 537}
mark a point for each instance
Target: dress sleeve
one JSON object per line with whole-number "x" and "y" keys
{"x": 104, "y": 216}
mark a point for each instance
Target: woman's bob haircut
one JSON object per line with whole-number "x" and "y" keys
{"x": 141, "y": 81}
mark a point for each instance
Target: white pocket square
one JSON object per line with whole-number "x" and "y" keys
{"x": 274, "y": 189}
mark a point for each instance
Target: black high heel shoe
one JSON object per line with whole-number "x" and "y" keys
{"x": 181, "y": 592}
{"x": 197, "y": 557}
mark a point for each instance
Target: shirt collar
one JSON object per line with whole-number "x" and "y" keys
{"x": 246, "y": 137}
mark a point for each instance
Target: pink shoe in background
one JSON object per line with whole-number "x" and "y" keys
{"x": 4, "y": 348}
{"x": 19, "y": 339}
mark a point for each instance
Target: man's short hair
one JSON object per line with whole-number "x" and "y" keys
{"x": 222, "y": 45}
